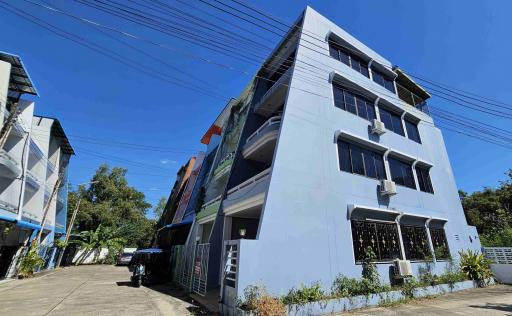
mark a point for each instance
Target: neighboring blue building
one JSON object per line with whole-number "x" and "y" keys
{"x": 34, "y": 151}
{"x": 328, "y": 151}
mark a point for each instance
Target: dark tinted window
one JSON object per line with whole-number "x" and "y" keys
{"x": 392, "y": 121}
{"x": 412, "y": 131}
{"x": 383, "y": 80}
{"x": 353, "y": 103}
{"x": 401, "y": 173}
{"x": 349, "y": 59}
{"x": 424, "y": 179}
{"x": 440, "y": 243}
{"x": 356, "y": 159}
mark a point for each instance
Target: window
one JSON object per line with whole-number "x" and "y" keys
{"x": 392, "y": 121}
{"x": 424, "y": 179}
{"x": 401, "y": 173}
{"x": 349, "y": 59}
{"x": 415, "y": 241}
{"x": 439, "y": 243}
{"x": 353, "y": 103}
{"x": 412, "y": 131}
{"x": 383, "y": 80}
{"x": 381, "y": 237}
{"x": 359, "y": 160}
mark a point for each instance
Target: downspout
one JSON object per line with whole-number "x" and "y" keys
{"x": 403, "y": 123}
{"x": 370, "y": 69}
{"x": 386, "y": 164}
{"x": 416, "y": 182}
{"x": 376, "y": 106}
{"x": 431, "y": 246}
{"x": 397, "y": 220}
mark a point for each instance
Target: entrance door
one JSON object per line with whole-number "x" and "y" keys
{"x": 200, "y": 269}
{"x": 6, "y": 255}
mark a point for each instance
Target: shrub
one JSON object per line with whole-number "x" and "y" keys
{"x": 257, "y": 300}
{"x": 344, "y": 286}
{"x": 30, "y": 262}
{"x": 475, "y": 266}
{"x": 408, "y": 287}
{"x": 304, "y": 294}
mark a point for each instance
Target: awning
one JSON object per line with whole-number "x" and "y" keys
{"x": 172, "y": 226}
{"x": 362, "y": 212}
{"x": 7, "y": 219}
{"x": 19, "y": 81}
{"x": 28, "y": 225}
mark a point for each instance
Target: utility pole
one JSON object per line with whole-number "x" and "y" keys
{"x": 68, "y": 232}
{"x": 6, "y": 129}
{"x": 47, "y": 207}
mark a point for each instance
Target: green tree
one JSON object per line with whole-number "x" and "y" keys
{"x": 111, "y": 202}
{"x": 92, "y": 241}
{"x": 490, "y": 210}
{"x": 159, "y": 208}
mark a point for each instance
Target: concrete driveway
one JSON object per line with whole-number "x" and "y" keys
{"x": 90, "y": 290}
{"x": 494, "y": 300}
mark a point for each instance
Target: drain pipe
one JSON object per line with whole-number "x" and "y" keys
{"x": 386, "y": 164}
{"x": 397, "y": 220}
{"x": 429, "y": 238}
{"x": 415, "y": 175}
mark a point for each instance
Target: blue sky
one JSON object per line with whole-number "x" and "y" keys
{"x": 461, "y": 44}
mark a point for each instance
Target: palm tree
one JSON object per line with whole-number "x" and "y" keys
{"x": 94, "y": 240}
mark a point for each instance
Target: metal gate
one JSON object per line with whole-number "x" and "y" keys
{"x": 200, "y": 269}
{"x": 176, "y": 261}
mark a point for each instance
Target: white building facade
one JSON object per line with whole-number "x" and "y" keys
{"x": 34, "y": 154}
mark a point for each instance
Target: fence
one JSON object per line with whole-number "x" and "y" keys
{"x": 502, "y": 262}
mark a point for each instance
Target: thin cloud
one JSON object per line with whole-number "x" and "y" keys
{"x": 167, "y": 161}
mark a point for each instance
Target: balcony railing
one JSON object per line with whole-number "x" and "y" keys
{"x": 247, "y": 194}
{"x": 4, "y": 205}
{"x": 209, "y": 208}
{"x": 9, "y": 167}
{"x": 261, "y": 144}
{"x": 412, "y": 99}
{"x": 272, "y": 99}
{"x": 224, "y": 165}
{"x": 32, "y": 180}
{"x": 272, "y": 121}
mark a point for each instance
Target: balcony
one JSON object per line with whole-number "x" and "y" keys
{"x": 35, "y": 150}
{"x": 246, "y": 199}
{"x": 261, "y": 144}
{"x": 32, "y": 181}
{"x": 209, "y": 210}
{"x": 9, "y": 167}
{"x": 4, "y": 205}
{"x": 19, "y": 127}
{"x": 224, "y": 166}
{"x": 273, "y": 99}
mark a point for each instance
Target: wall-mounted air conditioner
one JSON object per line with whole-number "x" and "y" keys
{"x": 387, "y": 187}
{"x": 378, "y": 127}
{"x": 402, "y": 268}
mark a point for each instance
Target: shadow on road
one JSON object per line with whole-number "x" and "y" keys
{"x": 177, "y": 292}
{"x": 124, "y": 283}
{"x": 498, "y": 307}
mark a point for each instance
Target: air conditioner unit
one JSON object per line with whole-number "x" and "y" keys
{"x": 402, "y": 268}
{"x": 378, "y": 127}
{"x": 387, "y": 187}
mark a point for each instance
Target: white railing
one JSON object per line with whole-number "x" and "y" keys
{"x": 232, "y": 251}
{"x": 275, "y": 86}
{"x": 269, "y": 122}
{"x": 6, "y": 155}
{"x": 499, "y": 255}
{"x": 211, "y": 202}
{"x": 254, "y": 180}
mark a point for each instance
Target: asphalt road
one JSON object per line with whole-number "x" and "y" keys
{"x": 90, "y": 290}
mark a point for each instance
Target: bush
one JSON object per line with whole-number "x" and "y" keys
{"x": 304, "y": 294}
{"x": 344, "y": 286}
{"x": 475, "y": 266}
{"x": 257, "y": 300}
{"x": 408, "y": 287}
{"x": 29, "y": 263}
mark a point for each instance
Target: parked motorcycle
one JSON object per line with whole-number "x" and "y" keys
{"x": 139, "y": 275}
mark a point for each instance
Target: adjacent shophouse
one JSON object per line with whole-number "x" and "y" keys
{"x": 34, "y": 159}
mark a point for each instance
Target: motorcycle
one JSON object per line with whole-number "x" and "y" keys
{"x": 139, "y": 275}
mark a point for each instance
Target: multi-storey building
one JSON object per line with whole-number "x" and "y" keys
{"x": 330, "y": 150}
{"x": 34, "y": 154}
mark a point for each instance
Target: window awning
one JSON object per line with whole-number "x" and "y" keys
{"x": 363, "y": 212}
{"x": 20, "y": 81}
